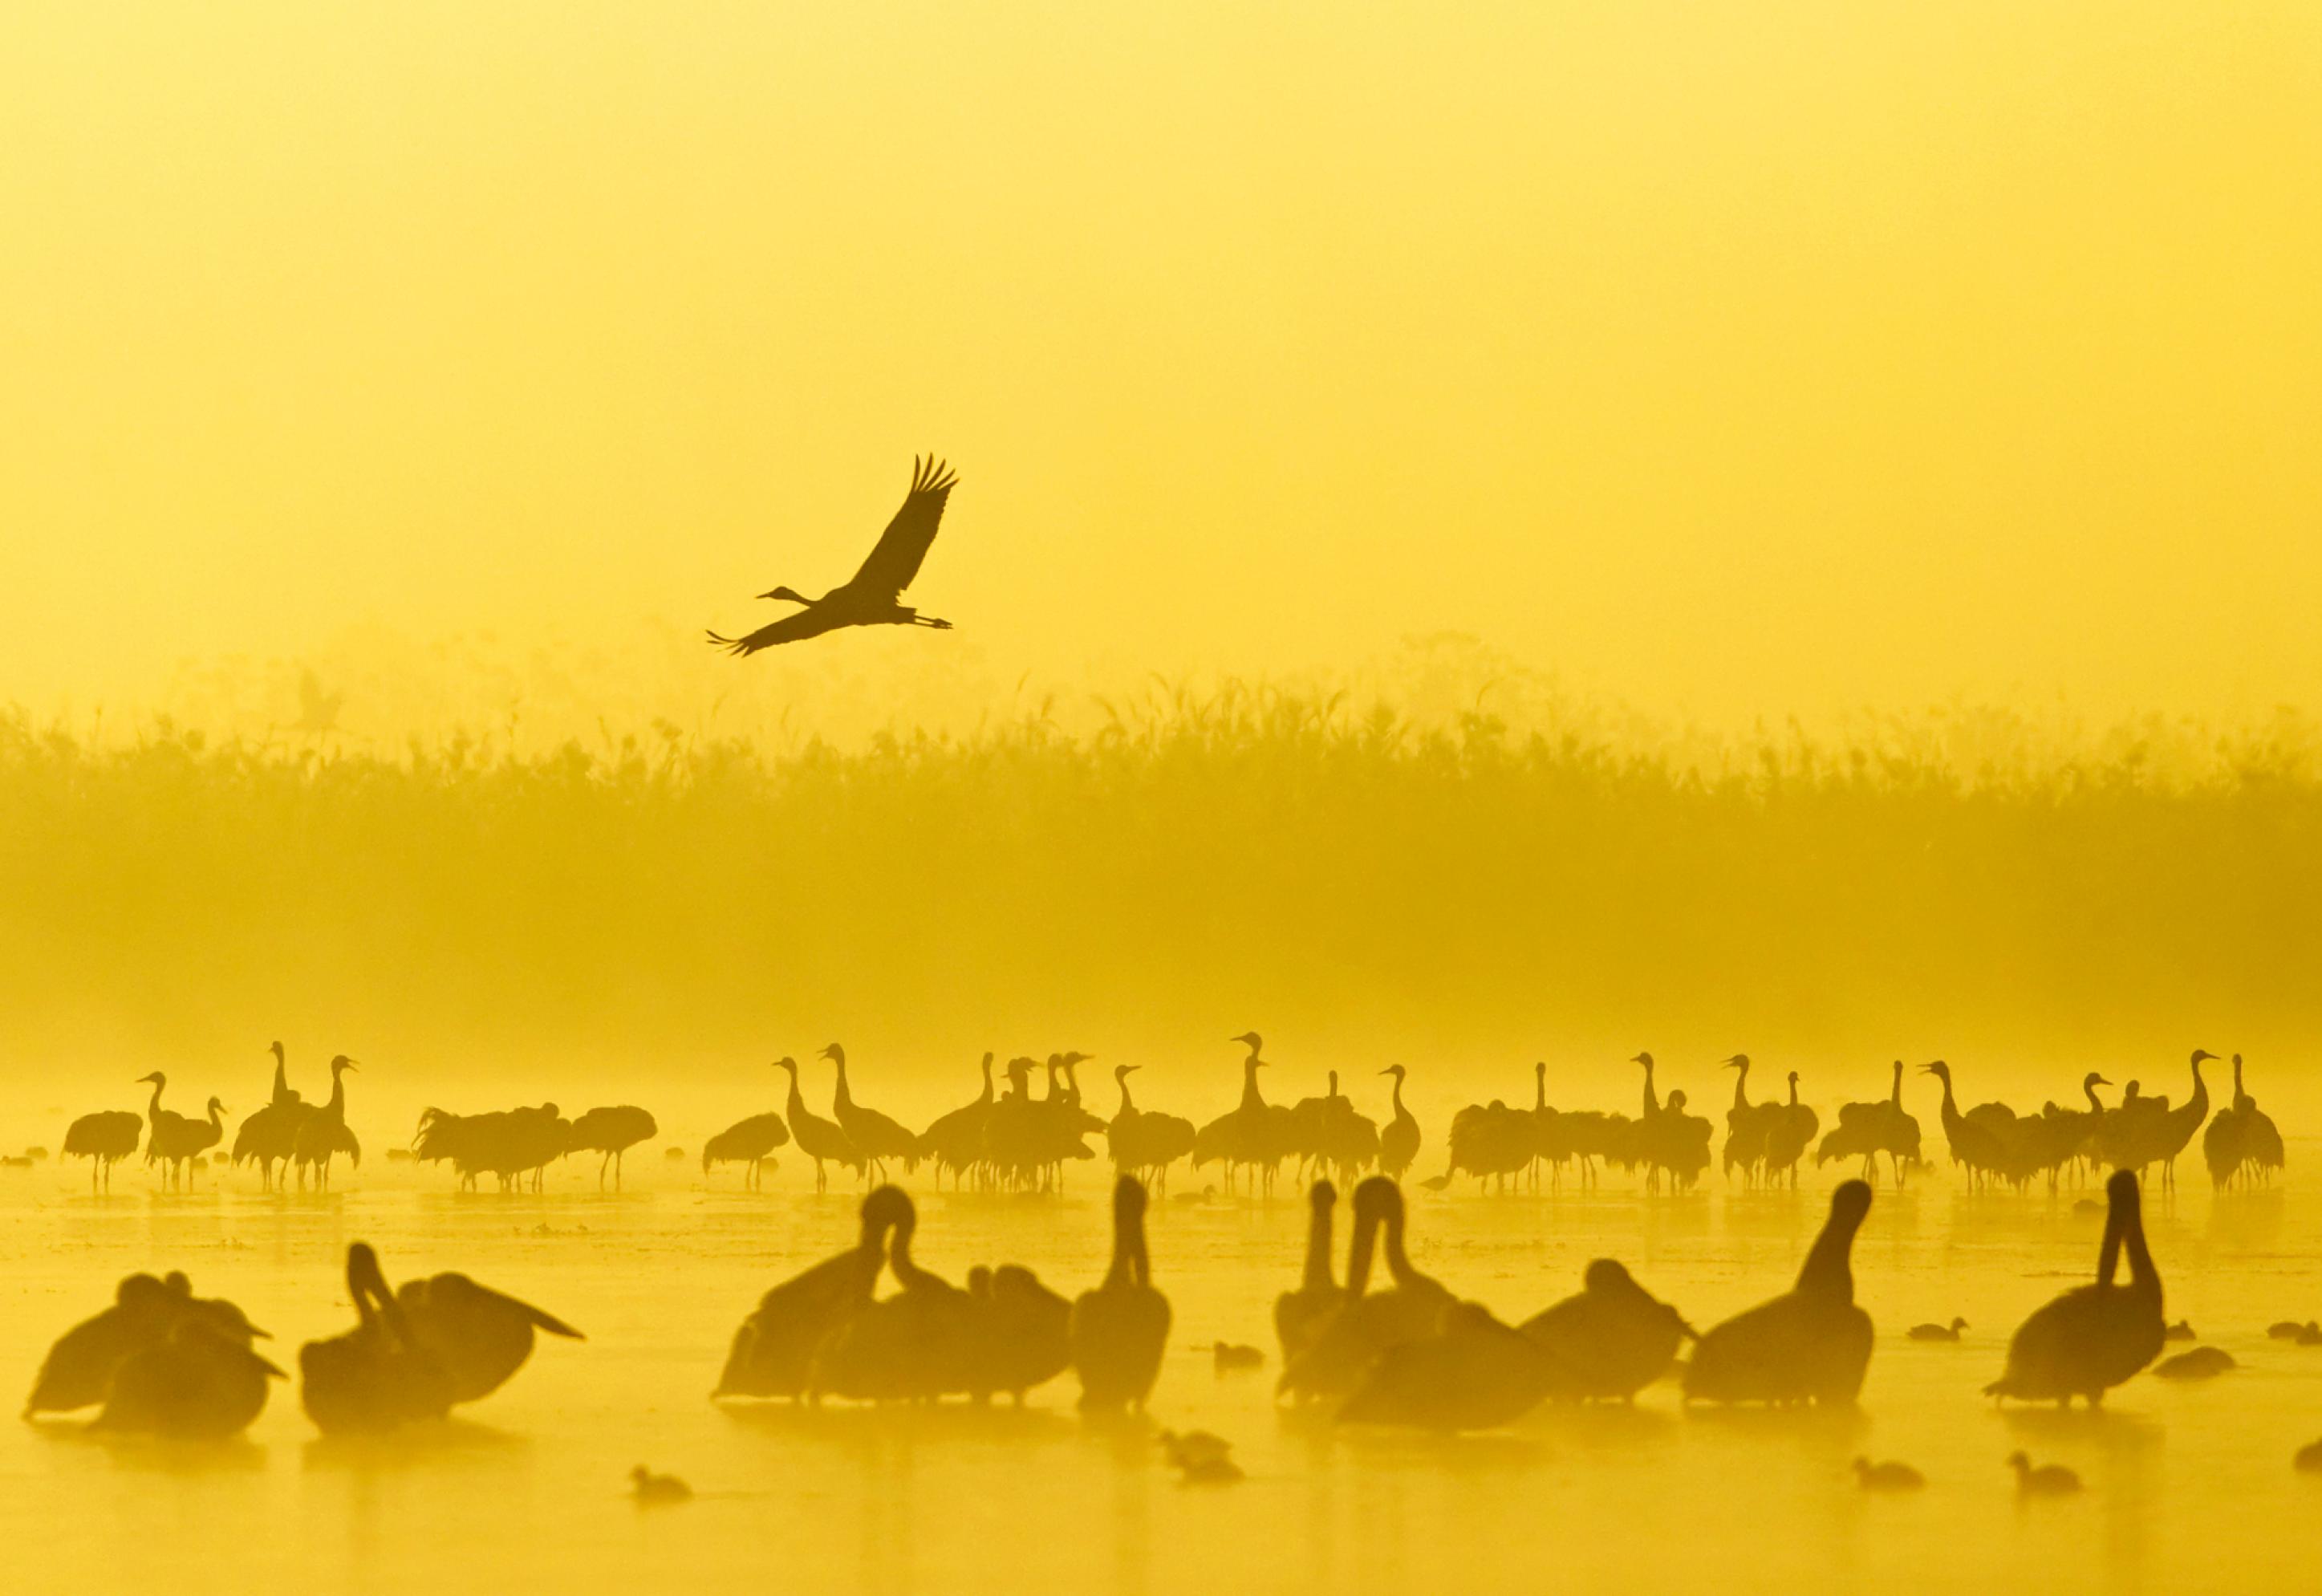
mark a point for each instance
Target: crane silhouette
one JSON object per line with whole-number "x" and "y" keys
{"x": 872, "y": 595}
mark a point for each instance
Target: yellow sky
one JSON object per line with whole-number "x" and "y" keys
{"x": 1726, "y": 357}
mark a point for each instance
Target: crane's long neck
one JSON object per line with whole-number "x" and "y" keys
{"x": 2201, "y": 1100}
{"x": 1539, "y": 1087}
{"x": 986, "y": 1098}
{"x": 1250, "y": 1094}
{"x": 1652, "y": 1102}
{"x": 1122, "y": 1080}
{"x": 215, "y": 1124}
{"x": 153, "y": 1108}
{"x": 2241, "y": 1099}
{"x": 1794, "y": 1091}
{"x": 1055, "y": 1093}
{"x": 796, "y": 1103}
{"x": 2096, "y": 1104}
{"x": 281, "y": 1080}
{"x": 1898, "y": 1095}
{"x": 842, "y": 1099}
{"x": 1950, "y": 1104}
{"x": 1399, "y": 1110}
{"x": 1318, "y": 1247}
{"x": 337, "y": 1107}
{"x": 1741, "y": 1085}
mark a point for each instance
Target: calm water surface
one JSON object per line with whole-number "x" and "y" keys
{"x": 2188, "y": 1487}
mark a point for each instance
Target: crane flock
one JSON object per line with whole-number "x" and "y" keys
{"x": 1021, "y": 1139}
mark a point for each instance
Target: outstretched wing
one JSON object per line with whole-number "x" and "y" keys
{"x": 790, "y": 629}
{"x": 904, "y": 544}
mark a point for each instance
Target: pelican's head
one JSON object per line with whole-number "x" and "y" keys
{"x": 790, "y": 594}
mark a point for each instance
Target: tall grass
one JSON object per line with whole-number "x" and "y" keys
{"x": 1354, "y": 882}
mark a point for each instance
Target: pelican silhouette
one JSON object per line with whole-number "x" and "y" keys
{"x": 1610, "y": 1340}
{"x": 774, "y": 1349}
{"x": 201, "y": 1381}
{"x": 872, "y": 595}
{"x": 2092, "y": 1337}
{"x": 1473, "y": 1373}
{"x": 480, "y": 1336}
{"x": 1299, "y": 1316}
{"x": 1019, "y": 1333}
{"x": 911, "y": 1346}
{"x": 81, "y": 1368}
{"x": 1368, "y": 1324}
{"x": 1811, "y": 1343}
{"x": 1120, "y": 1329}
{"x": 376, "y": 1376}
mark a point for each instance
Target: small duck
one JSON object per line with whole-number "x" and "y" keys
{"x": 2203, "y": 1363}
{"x": 1186, "y": 1447}
{"x": 2284, "y": 1330}
{"x": 2310, "y": 1334}
{"x": 2182, "y": 1330}
{"x": 1950, "y": 1332}
{"x": 1231, "y": 1357}
{"x": 1202, "y": 1196}
{"x": 2044, "y": 1480}
{"x": 657, "y": 1491}
{"x": 1887, "y": 1476}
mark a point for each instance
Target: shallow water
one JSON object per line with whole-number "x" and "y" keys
{"x": 2189, "y": 1486}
